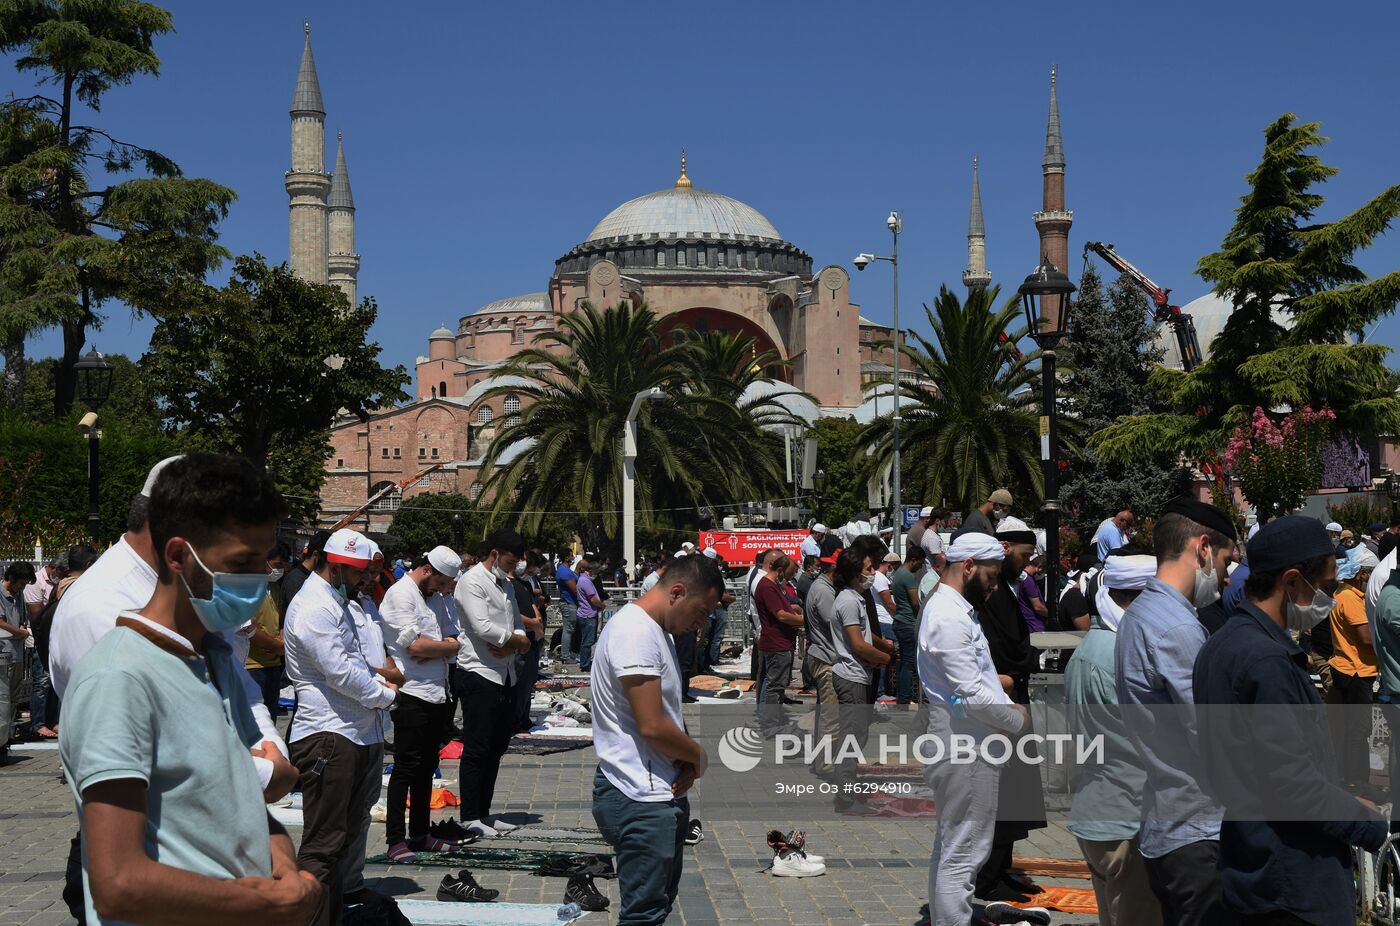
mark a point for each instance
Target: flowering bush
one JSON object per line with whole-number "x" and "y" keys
{"x": 1277, "y": 463}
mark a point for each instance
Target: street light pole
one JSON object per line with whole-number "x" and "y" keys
{"x": 895, "y": 223}
{"x": 95, "y": 379}
{"x": 629, "y": 475}
{"x": 1047, "y": 332}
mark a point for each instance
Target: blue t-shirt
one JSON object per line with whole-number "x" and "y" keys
{"x": 564, "y": 575}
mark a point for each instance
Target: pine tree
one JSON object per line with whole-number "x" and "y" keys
{"x": 1112, "y": 351}
{"x": 1297, "y": 296}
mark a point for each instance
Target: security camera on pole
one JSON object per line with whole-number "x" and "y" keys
{"x": 896, "y": 225}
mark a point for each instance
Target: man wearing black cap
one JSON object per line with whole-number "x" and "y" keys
{"x": 1277, "y": 764}
{"x": 1154, "y": 656}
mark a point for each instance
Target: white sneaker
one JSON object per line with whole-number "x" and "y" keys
{"x": 796, "y": 865}
{"x": 813, "y": 857}
{"x": 480, "y": 828}
{"x": 500, "y": 826}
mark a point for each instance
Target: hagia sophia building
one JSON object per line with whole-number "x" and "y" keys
{"x": 699, "y": 259}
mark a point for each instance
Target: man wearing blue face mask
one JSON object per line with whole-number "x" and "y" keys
{"x": 1290, "y": 825}
{"x": 157, "y": 724}
{"x": 337, "y": 734}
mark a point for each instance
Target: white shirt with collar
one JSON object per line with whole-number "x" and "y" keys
{"x": 407, "y": 615}
{"x": 955, "y": 667}
{"x": 326, "y": 660}
{"x": 488, "y": 618}
{"x": 811, "y": 546}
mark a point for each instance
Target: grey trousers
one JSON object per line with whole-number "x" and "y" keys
{"x": 854, "y": 714}
{"x": 11, "y": 680}
{"x": 774, "y": 672}
{"x": 966, "y": 797}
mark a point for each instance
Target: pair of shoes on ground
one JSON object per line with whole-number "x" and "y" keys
{"x": 582, "y": 891}
{"x": 464, "y": 889}
{"x": 791, "y": 858}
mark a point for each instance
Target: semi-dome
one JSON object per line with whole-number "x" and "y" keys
{"x": 685, "y": 212}
{"x": 530, "y": 302}
{"x": 442, "y": 332}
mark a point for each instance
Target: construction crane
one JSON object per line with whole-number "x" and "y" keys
{"x": 396, "y": 487}
{"x": 1182, "y": 325}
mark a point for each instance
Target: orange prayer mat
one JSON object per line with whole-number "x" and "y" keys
{"x": 715, "y": 683}
{"x": 1051, "y": 867}
{"x": 441, "y": 798}
{"x": 1064, "y": 899}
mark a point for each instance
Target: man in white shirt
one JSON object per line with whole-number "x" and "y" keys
{"x": 646, "y": 760}
{"x": 124, "y": 579}
{"x": 492, "y": 635}
{"x": 337, "y": 732}
{"x": 415, "y": 639}
{"x": 932, "y": 541}
{"x": 812, "y": 543}
{"x": 964, "y": 697}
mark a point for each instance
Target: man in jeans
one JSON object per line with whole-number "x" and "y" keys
{"x": 567, "y": 580}
{"x": 646, "y": 760}
{"x": 415, "y": 639}
{"x": 780, "y": 620}
{"x": 590, "y": 605}
{"x": 14, "y": 632}
{"x": 492, "y": 635}
{"x": 336, "y": 736}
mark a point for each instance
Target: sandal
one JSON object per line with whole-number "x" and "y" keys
{"x": 46, "y": 733}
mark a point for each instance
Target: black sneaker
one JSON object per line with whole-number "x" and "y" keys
{"x": 694, "y": 833}
{"x": 999, "y": 912}
{"x": 450, "y": 831}
{"x": 583, "y": 892}
{"x": 464, "y": 889}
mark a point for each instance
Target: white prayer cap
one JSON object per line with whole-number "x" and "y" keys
{"x": 687, "y": 545}
{"x": 681, "y": 554}
{"x": 974, "y": 545}
{"x": 926, "y": 511}
{"x": 1129, "y": 573}
{"x": 1334, "y": 527}
{"x": 819, "y": 528}
{"x": 1014, "y": 530}
{"x": 155, "y": 473}
{"x": 711, "y": 552}
{"x": 1364, "y": 558}
{"x": 446, "y": 561}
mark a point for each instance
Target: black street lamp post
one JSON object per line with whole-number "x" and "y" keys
{"x": 457, "y": 532}
{"x": 95, "y": 384}
{"x": 819, "y": 481}
{"x": 1047, "y": 281}
{"x": 1392, "y": 490}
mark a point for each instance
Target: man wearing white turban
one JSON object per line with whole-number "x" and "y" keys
{"x": 1107, "y": 803}
{"x": 965, "y": 696}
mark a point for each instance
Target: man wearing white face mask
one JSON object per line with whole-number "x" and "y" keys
{"x": 1154, "y": 657}
{"x": 1277, "y": 763}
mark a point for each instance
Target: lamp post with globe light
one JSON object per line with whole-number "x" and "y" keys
{"x": 1048, "y": 329}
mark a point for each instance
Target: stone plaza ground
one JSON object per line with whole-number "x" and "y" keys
{"x": 877, "y": 867}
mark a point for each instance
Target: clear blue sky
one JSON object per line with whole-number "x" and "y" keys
{"x": 486, "y": 139}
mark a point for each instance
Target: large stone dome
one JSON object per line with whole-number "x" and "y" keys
{"x": 684, "y": 212}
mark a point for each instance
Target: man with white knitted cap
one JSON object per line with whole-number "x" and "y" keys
{"x": 337, "y": 732}
{"x": 1107, "y": 806}
{"x": 965, "y": 696}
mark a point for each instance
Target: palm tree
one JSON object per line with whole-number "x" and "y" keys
{"x": 698, "y": 445}
{"x": 970, "y": 422}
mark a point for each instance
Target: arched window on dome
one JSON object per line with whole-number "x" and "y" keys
{"x": 739, "y": 259}
{"x": 719, "y": 257}
{"x": 511, "y": 405}
{"x": 700, "y": 256}
{"x": 518, "y": 337}
{"x": 485, "y": 414}
{"x": 475, "y": 491}
{"x": 660, "y": 257}
{"x": 680, "y": 255}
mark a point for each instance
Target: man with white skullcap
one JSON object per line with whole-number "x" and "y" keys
{"x": 965, "y": 696}
{"x": 1107, "y": 806}
{"x": 414, "y": 634}
{"x": 812, "y": 543}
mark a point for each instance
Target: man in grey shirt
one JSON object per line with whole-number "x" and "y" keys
{"x": 819, "y": 621}
{"x": 1154, "y": 659}
{"x": 982, "y": 518}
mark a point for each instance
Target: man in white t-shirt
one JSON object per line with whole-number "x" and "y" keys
{"x": 932, "y": 541}
{"x": 646, "y": 760}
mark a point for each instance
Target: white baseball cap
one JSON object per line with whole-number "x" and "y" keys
{"x": 155, "y": 473}
{"x": 446, "y": 561}
{"x": 349, "y": 548}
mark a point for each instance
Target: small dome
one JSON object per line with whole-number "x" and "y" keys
{"x": 530, "y": 302}
{"x": 442, "y": 333}
{"x": 1209, "y": 313}
{"x": 684, "y": 212}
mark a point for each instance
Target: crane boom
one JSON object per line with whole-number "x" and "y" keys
{"x": 1182, "y": 324}
{"x": 399, "y": 486}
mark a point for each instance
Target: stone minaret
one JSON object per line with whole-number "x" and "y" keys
{"x": 1054, "y": 220}
{"x": 307, "y": 181}
{"x": 976, "y": 277}
{"x": 343, "y": 263}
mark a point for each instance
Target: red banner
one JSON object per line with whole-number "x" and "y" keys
{"x": 739, "y": 548}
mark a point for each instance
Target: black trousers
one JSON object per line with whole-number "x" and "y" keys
{"x": 417, "y": 725}
{"x": 685, "y": 658}
{"x": 73, "y": 897}
{"x": 996, "y": 866}
{"x": 488, "y": 723}
{"x": 1272, "y": 918}
{"x": 1187, "y": 884}
{"x": 335, "y": 785}
{"x": 1351, "y": 726}
{"x": 527, "y": 670}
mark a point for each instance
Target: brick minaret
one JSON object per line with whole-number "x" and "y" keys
{"x": 307, "y": 182}
{"x": 976, "y": 277}
{"x": 1054, "y": 220}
